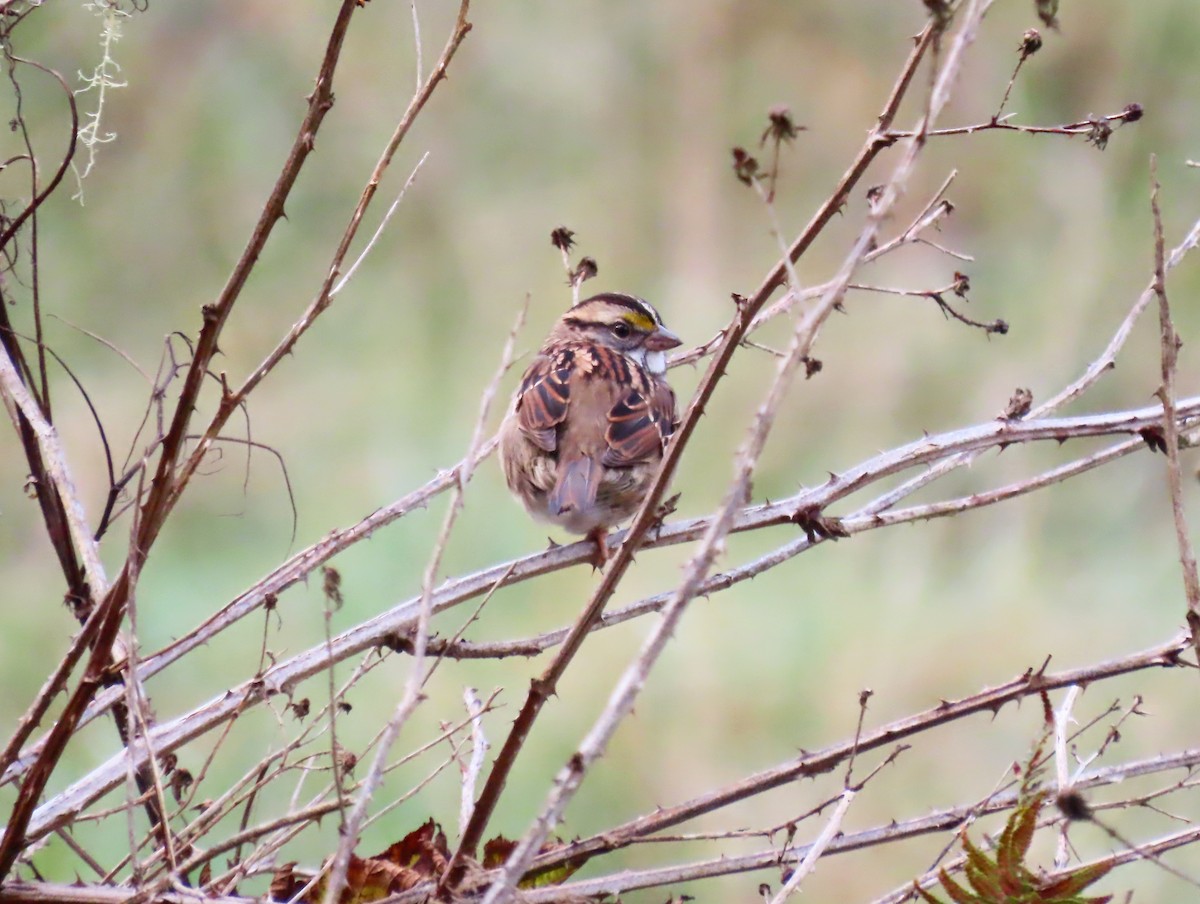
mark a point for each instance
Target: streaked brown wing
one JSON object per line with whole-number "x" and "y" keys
{"x": 543, "y": 397}
{"x": 640, "y": 425}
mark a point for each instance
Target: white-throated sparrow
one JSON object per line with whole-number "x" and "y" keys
{"x": 592, "y": 415}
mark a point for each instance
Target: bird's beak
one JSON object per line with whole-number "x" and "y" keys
{"x": 661, "y": 340}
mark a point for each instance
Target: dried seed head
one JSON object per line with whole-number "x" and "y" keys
{"x": 780, "y": 126}
{"x": 562, "y": 238}
{"x": 1099, "y": 133}
{"x": 1031, "y": 43}
{"x": 745, "y": 167}
{"x": 586, "y": 270}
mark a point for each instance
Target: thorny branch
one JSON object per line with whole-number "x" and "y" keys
{"x": 544, "y": 687}
{"x": 382, "y": 629}
{"x": 629, "y": 685}
{"x": 1170, "y": 343}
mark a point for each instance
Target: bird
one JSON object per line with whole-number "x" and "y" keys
{"x": 591, "y": 417}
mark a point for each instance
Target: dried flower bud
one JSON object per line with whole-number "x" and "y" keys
{"x": 1018, "y": 406}
{"x": 1031, "y": 43}
{"x": 780, "y": 127}
{"x": 745, "y": 167}
{"x": 332, "y": 586}
{"x": 586, "y": 270}
{"x": 1099, "y": 133}
{"x": 562, "y": 238}
{"x": 1133, "y": 112}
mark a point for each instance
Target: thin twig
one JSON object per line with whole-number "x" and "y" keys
{"x": 628, "y": 687}
{"x": 817, "y": 848}
{"x": 412, "y": 177}
{"x": 542, "y": 688}
{"x": 412, "y": 696}
{"x": 380, "y": 629}
{"x": 1169, "y": 344}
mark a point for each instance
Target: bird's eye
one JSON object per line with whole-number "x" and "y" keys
{"x": 620, "y": 329}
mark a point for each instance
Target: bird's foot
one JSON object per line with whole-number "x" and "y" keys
{"x": 599, "y": 558}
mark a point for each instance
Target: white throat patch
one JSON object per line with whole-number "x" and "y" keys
{"x": 655, "y": 363}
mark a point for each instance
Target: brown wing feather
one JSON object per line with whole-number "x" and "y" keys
{"x": 639, "y": 425}
{"x": 543, "y": 398}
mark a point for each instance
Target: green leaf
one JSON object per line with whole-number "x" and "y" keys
{"x": 981, "y": 872}
{"x": 1014, "y": 845}
{"x": 957, "y": 893}
{"x": 1073, "y": 883}
{"x": 1020, "y": 827}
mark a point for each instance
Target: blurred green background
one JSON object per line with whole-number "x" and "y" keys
{"x": 616, "y": 119}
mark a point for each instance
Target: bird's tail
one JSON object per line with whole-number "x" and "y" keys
{"x": 575, "y": 488}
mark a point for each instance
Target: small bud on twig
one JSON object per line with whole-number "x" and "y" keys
{"x": 1031, "y": 43}
{"x": 1018, "y": 406}
{"x": 586, "y": 269}
{"x": 745, "y": 167}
